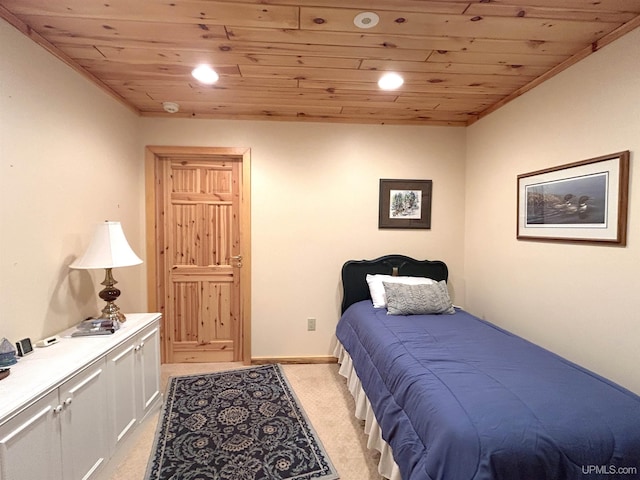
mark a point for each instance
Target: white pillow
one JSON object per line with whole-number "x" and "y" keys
{"x": 376, "y": 288}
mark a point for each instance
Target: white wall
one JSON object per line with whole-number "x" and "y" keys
{"x": 580, "y": 301}
{"x": 315, "y": 206}
{"x": 69, "y": 159}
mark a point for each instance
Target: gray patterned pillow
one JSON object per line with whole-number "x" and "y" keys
{"x": 417, "y": 299}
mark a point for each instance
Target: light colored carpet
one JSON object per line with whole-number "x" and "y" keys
{"x": 324, "y": 397}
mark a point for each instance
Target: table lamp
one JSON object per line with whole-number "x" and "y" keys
{"x": 108, "y": 249}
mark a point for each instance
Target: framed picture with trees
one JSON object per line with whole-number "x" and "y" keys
{"x": 405, "y": 204}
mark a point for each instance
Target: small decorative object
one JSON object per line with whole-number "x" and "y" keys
{"x": 583, "y": 201}
{"x": 108, "y": 249}
{"x": 7, "y": 355}
{"x": 405, "y": 204}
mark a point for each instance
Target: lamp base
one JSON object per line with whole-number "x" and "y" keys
{"x": 112, "y": 313}
{"x": 110, "y": 294}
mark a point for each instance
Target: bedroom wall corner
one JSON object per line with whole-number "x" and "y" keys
{"x": 69, "y": 159}
{"x": 576, "y": 300}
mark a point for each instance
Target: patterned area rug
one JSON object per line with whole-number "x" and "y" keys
{"x": 244, "y": 424}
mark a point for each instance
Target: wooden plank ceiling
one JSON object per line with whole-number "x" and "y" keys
{"x": 307, "y": 60}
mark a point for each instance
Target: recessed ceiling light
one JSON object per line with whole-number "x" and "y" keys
{"x": 390, "y": 81}
{"x": 205, "y": 74}
{"x": 366, "y": 20}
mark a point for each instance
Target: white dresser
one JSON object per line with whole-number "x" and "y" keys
{"x": 66, "y": 408}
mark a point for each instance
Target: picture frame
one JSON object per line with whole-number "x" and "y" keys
{"x": 582, "y": 202}
{"x": 405, "y": 204}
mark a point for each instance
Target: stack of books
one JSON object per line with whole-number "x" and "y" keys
{"x": 95, "y": 326}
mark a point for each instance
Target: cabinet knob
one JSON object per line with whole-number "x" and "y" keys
{"x": 57, "y": 409}
{"x": 68, "y": 401}
{"x": 137, "y": 348}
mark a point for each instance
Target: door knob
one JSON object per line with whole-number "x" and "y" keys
{"x": 238, "y": 259}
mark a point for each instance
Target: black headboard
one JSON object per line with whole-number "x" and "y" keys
{"x": 354, "y": 274}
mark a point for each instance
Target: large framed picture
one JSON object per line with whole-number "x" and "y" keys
{"x": 584, "y": 201}
{"x": 405, "y": 204}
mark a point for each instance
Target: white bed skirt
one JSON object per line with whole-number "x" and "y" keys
{"x": 387, "y": 466}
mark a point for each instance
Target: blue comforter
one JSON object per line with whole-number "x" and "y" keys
{"x": 458, "y": 398}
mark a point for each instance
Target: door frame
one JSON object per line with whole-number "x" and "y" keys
{"x": 153, "y": 154}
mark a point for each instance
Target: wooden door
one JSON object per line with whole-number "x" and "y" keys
{"x": 200, "y": 226}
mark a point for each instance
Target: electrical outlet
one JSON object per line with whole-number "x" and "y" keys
{"x": 311, "y": 324}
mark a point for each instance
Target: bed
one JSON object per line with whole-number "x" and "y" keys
{"x": 454, "y": 397}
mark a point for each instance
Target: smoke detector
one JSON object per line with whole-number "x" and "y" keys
{"x": 366, "y": 20}
{"x": 171, "y": 107}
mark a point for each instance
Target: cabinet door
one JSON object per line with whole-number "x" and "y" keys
{"x": 123, "y": 403}
{"x": 149, "y": 368}
{"x": 30, "y": 442}
{"x": 84, "y": 422}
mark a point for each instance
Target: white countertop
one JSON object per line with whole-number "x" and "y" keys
{"x": 46, "y": 368}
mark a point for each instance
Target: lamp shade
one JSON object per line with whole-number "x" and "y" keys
{"x": 108, "y": 249}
